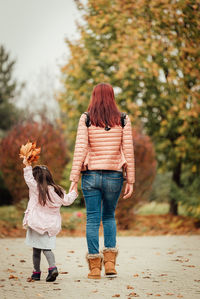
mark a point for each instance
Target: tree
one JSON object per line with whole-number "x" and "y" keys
{"x": 144, "y": 177}
{"x": 149, "y": 51}
{"x": 53, "y": 154}
{"x": 9, "y": 114}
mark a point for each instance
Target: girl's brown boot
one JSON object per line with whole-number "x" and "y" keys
{"x": 95, "y": 265}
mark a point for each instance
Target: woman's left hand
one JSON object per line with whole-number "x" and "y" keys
{"x": 128, "y": 191}
{"x": 74, "y": 186}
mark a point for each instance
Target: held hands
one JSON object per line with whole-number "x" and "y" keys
{"x": 128, "y": 191}
{"x": 74, "y": 186}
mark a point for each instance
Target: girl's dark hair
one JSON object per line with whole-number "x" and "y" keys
{"x": 44, "y": 178}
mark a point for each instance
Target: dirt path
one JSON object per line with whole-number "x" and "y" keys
{"x": 148, "y": 267}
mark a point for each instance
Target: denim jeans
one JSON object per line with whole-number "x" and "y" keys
{"x": 101, "y": 190}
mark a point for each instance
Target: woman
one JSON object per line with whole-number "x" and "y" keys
{"x": 103, "y": 149}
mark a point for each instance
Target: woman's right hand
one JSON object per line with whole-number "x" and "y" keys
{"x": 128, "y": 191}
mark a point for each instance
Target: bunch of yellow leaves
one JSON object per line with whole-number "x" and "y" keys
{"x": 30, "y": 152}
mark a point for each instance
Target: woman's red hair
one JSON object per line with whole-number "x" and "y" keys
{"x": 102, "y": 108}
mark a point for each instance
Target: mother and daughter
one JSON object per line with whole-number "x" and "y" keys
{"x": 104, "y": 156}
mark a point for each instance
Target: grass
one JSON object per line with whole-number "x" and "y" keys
{"x": 154, "y": 208}
{"x": 10, "y": 214}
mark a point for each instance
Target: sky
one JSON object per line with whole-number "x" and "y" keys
{"x": 34, "y": 33}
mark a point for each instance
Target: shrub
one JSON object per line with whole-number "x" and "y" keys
{"x": 53, "y": 154}
{"x": 145, "y": 165}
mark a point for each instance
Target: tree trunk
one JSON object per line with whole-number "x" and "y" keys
{"x": 176, "y": 178}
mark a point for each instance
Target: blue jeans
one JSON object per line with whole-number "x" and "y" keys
{"x": 101, "y": 190}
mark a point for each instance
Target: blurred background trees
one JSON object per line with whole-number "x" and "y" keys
{"x": 149, "y": 52}
{"x": 9, "y": 114}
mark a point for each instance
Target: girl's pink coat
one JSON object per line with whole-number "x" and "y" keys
{"x": 44, "y": 218}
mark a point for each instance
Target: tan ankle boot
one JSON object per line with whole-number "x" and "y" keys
{"x": 109, "y": 261}
{"x": 95, "y": 265}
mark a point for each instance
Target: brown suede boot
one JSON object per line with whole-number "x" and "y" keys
{"x": 109, "y": 261}
{"x": 95, "y": 265}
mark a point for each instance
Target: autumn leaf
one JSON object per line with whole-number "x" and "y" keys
{"x": 133, "y": 294}
{"x": 116, "y": 295}
{"x": 13, "y": 277}
{"x": 30, "y": 152}
{"x": 29, "y": 279}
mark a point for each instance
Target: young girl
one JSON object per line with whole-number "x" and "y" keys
{"x": 42, "y": 216}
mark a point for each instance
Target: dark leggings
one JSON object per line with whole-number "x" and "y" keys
{"x": 37, "y": 257}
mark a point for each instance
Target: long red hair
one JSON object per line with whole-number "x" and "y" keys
{"x": 102, "y": 109}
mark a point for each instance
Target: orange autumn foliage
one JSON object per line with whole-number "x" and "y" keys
{"x": 53, "y": 154}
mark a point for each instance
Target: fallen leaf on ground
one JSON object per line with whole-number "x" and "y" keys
{"x": 57, "y": 289}
{"x": 63, "y": 272}
{"x": 146, "y": 277}
{"x": 22, "y": 261}
{"x": 71, "y": 251}
{"x": 149, "y": 294}
{"x": 116, "y": 295}
{"x": 29, "y": 279}
{"x": 13, "y": 277}
{"x": 11, "y": 270}
{"x": 171, "y": 252}
{"x": 78, "y": 280}
{"x": 170, "y": 294}
{"x": 130, "y": 287}
{"x": 1, "y": 286}
{"x": 95, "y": 291}
{"x": 133, "y": 294}
{"x": 163, "y": 275}
{"x": 179, "y": 296}
{"x": 197, "y": 280}
{"x": 157, "y": 295}
{"x": 135, "y": 275}
{"x": 178, "y": 260}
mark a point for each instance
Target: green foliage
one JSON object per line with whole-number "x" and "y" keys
{"x": 161, "y": 188}
{"x": 9, "y": 114}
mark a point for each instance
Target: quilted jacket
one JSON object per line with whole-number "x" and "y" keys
{"x": 44, "y": 218}
{"x": 98, "y": 149}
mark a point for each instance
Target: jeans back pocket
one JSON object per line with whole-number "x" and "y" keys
{"x": 88, "y": 181}
{"x": 114, "y": 181}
